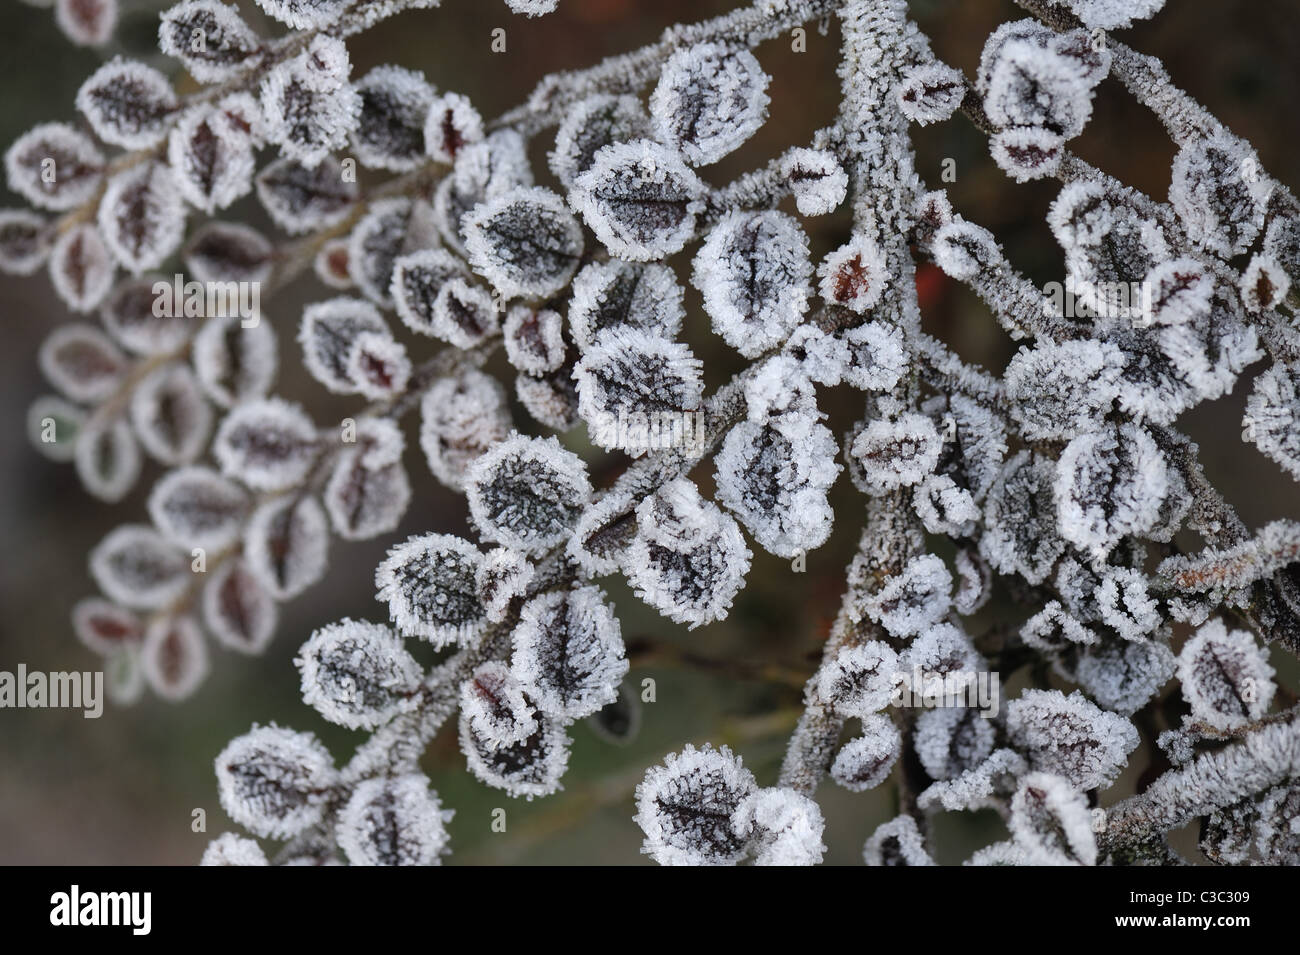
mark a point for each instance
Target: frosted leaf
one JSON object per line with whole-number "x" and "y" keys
{"x": 493, "y": 704}
{"x": 357, "y": 674}
{"x": 433, "y": 296}
{"x": 1122, "y": 675}
{"x": 234, "y": 364}
{"x": 269, "y": 445}
{"x": 138, "y": 568}
{"x": 461, "y": 417}
{"x": 1071, "y": 737}
{"x": 104, "y": 627}
{"x": 211, "y": 157}
{"x": 533, "y": 8}
{"x": 170, "y": 414}
{"x": 302, "y": 198}
{"x": 870, "y": 356}
{"x": 945, "y": 508}
{"x": 1052, "y": 820}
{"x": 628, "y": 372}
{"x": 1008, "y": 853}
{"x": 228, "y": 252}
{"x": 1027, "y": 152}
{"x": 568, "y": 652}
{"x": 552, "y": 400}
{"x": 82, "y": 363}
{"x": 782, "y": 827}
{"x": 685, "y": 806}
{"x": 866, "y": 761}
{"x": 526, "y": 493}
{"x": 229, "y": 849}
{"x": 1277, "y": 834}
{"x": 331, "y": 264}
{"x": 753, "y": 270}
{"x": 1177, "y": 292}
{"x": 898, "y": 452}
{"x": 286, "y": 544}
{"x": 378, "y": 366}
{"x": 197, "y": 507}
{"x": 1264, "y": 284}
{"x": 688, "y": 559}
{"x": 640, "y": 199}
{"x": 963, "y": 249}
{"x": 525, "y": 242}
{"x": 1282, "y": 243}
{"x": 1109, "y": 484}
{"x": 529, "y": 768}
{"x": 304, "y": 14}
{"x": 602, "y": 534}
{"x": 709, "y": 101}
{"x": 127, "y": 103}
{"x": 1042, "y": 82}
{"x": 977, "y": 788}
{"x": 394, "y": 821}
{"x": 534, "y": 339}
{"x": 1125, "y": 605}
{"x": 914, "y": 599}
{"x": 930, "y": 93}
{"x": 1062, "y": 389}
{"x": 1219, "y": 193}
{"x": 228, "y": 46}
{"x": 237, "y": 609}
{"x": 1225, "y": 675}
{"x": 617, "y": 293}
{"x": 482, "y": 172}
{"x": 174, "y": 657}
{"x": 503, "y": 576}
{"x": 896, "y": 843}
{"x": 951, "y": 740}
{"x": 778, "y": 386}
{"x": 390, "y": 129}
{"x": 363, "y": 498}
{"x": 275, "y": 782}
{"x": 1272, "y": 419}
{"x": 859, "y": 680}
{"x": 24, "y": 241}
{"x": 450, "y": 124}
{"x": 429, "y": 584}
{"x": 141, "y": 216}
{"x": 107, "y": 457}
{"x": 76, "y": 163}
{"x": 939, "y": 652}
{"x": 309, "y": 106}
{"x": 81, "y": 268}
{"x": 1053, "y": 629}
{"x": 392, "y": 228}
{"x": 775, "y": 477}
{"x": 1020, "y": 519}
{"x": 590, "y": 126}
{"x": 86, "y": 22}
{"x": 854, "y": 275}
{"x": 974, "y": 581}
{"x": 817, "y": 179}
{"x": 1114, "y": 14}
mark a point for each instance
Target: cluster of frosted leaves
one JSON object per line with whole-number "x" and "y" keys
{"x": 774, "y": 473}
{"x": 274, "y": 781}
{"x": 1071, "y": 737}
{"x": 1225, "y": 676}
{"x": 753, "y": 270}
{"x": 687, "y": 559}
{"x": 348, "y": 347}
{"x": 357, "y": 674}
{"x": 434, "y": 295}
{"x": 527, "y": 493}
{"x": 1037, "y": 87}
{"x": 394, "y": 821}
{"x": 308, "y": 104}
{"x": 702, "y": 807}
{"x": 482, "y": 171}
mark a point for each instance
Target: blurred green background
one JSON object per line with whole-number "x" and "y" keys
{"x": 121, "y": 789}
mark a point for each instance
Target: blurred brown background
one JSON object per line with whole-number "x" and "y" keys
{"x": 121, "y": 789}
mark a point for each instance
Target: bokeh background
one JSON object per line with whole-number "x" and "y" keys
{"x": 122, "y": 789}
